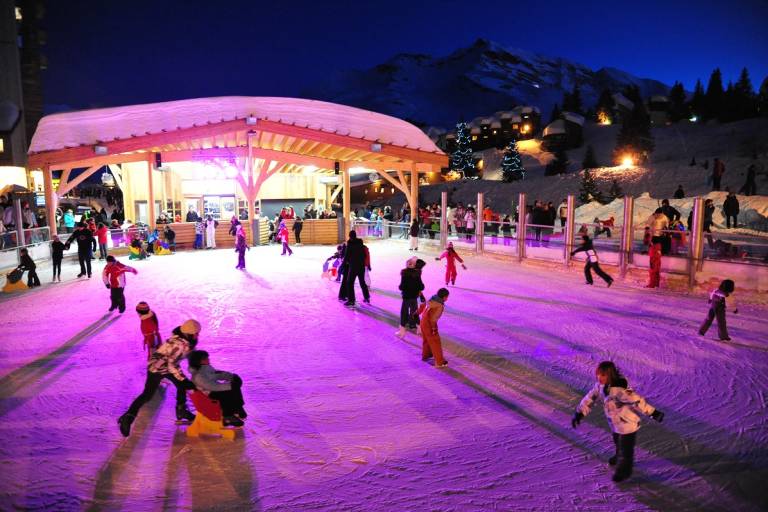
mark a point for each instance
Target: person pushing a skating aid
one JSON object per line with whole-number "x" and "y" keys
{"x": 164, "y": 364}
{"x": 592, "y": 261}
{"x": 451, "y": 257}
{"x": 717, "y": 308}
{"x": 621, "y": 406}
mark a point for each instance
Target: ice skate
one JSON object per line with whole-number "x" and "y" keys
{"x": 241, "y": 414}
{"x": 613, "y": 460}
{"x": 232, "y": 421}
{"x": 125, "y": 422}
{"x": 400, "y": 332}
{"x": 443, "y": 365}
{"x": 183, "y": 415}
{"x": 622, "y": 473}
{"x": 350, "y": 304}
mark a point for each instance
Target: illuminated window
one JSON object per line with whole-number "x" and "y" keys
{"x": 393, "y": 190}
{"x": 515, "y": 126}
{"x": 2, "y": 145}
{"x": 474, "y": 137}
{"x": 18, "y": 14}
{"x": 495, "y": 131}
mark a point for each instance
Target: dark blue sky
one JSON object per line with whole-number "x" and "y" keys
{"x": 103, "y": 53}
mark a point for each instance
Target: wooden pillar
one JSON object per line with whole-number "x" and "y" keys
{"x": 479, "y": 224}
{"x": 570, "y": 218}
{"x": 150, "y": 193}
{"x": 443, "y": 220}
{"x": 696, "y": 241}
{"x": 347, "y": 191}
{"x": 51, "y": 199}
{"x": 413, "y": 202}
{"x": 249, "y": 197}
{"x": 627, "y": 235}
{"x": 521, "y": 227}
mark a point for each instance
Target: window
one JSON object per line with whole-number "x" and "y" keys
{"x": 18, "y": 14}
{"x": 2, "y": 145}
{"x": 474, "y": 137}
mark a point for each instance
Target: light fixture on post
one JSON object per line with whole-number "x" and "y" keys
{"x": 100, "y": 150}
{"x": 376, "y": 147}
{"x": 251, "y": 120}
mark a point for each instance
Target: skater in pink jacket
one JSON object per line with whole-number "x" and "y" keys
{"x": 451, "y": 257}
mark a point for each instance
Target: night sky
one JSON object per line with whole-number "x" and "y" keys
{"x": 105, "y": 53}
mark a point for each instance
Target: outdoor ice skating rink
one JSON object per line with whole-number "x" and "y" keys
{"x": 346, "y": 417}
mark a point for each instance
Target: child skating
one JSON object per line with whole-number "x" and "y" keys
{"x": 451, "y": 257}
{"x": 150, "y": 328}
{"x": 717, "y": 307}
{"x": 57, "y": 256}
{"x": 224, "y": 387}
{"x": 241, "y": 245}
{"x": 27, "y": 263}
{"x": 654, "y": 266}
{"x": 114, "y": 279}
{"x": 282, "y": 234}
{"x": 592, "y": 261}
{"x": 432, "y": 345}
{"x": 621, "y": 406}
{"x": 411, "y": 287}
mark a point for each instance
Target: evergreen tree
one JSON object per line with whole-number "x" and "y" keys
{"x": 677, "y": 107}
{"x": 461, "y": 158}
{"x": 572, "y": 101}
{"x": 762, "y": 99}
{"x": 604, "y": 107}
{"x": 556, "y": 113}
{"x": 744, "y": 96}
{"x": 588, "y": 189}
{"x": 512, "y": 165}
{"x": 559, "y": 165}
{"x": 589, "y": 162}
{"x": 696, "y": 106}
{"x": 615, "y": 191}
{"x": 713, "y": 99}
{"x": 730, "y": 105}
{"x": 634, "y": 137}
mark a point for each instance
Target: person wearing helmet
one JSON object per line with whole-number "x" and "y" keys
{"x": 164, "y": 364}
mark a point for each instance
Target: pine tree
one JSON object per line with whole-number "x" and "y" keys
{"x": 512, "y": 165}
{"x": 634, "y": 137}
{"x": 713, "y": 99}
{"x": 572, "y": 101}
{"x": 588, "y": 189}
{"x": 744, "y": 96}
{"x": 461, "y": 158}
{"x": 615, "y": 191}
{"x": 556, "y": 113}
{"x": 589, "y": 162}
{"x": 677, "y": 108}
{"x": 697, "y": 104}
{"x": 730, "y": 105}
{"x": 559, "y": 165}
{"x": 762, "y": 99}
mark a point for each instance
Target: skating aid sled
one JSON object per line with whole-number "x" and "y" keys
{"x": 208, "y": 418}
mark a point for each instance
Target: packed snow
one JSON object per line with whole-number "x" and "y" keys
{"x": 345, "y": 416}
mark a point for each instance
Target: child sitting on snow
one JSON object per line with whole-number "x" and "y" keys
{"x": 621, "y": 406}
{"x": 717, "y": 309}
{"x": 224, "y": 387}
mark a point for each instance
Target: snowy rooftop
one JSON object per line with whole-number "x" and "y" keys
{"x": 554, "y": 128}
{"x": 88, "y": 127}
{"x": 622, "y": 101}
{"x": 572, "y": 117}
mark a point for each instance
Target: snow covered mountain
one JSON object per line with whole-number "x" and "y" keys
{"x": 477, "y": 80}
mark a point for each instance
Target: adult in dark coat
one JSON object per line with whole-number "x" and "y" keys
{"x": 679, "y": 193}
{"x": 731, "y": 209}
{"x": 298, "y": 225}
{"x": 673, "y": 215}
{"x": 354, "y": 268}
{"x": 84, "y": 238}
{"x": 750, "y": 187}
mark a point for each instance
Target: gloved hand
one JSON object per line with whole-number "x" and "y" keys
{"x": 107, "y": 286}
{"x": 658, "y": 415}
{"x": 577, "y": 417}
{"x": 464, "y": 266}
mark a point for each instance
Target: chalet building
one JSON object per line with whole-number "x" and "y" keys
{"x": 658, "y": 108}
{"x": 566, "y": 132}
{"x": 622, "y": 107}
{"x": 496, "y": 131}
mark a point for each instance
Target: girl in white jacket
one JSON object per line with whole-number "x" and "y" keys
{"x": 621, "y": 406}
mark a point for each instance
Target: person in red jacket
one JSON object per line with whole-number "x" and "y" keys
{"x": 654, "y": 268}
{"x": 114, "y": 279}
{"x": 451, "y": 257}
{"x": 150, "y": 328}
{"x": 101, "y": 234}
{"x": 283, "y": 234}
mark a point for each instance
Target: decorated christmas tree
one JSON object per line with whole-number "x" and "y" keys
{"x": 512, "y": 165}
{"x": 461, "y": 159}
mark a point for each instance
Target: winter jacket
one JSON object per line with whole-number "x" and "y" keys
{"x": 451, "y": 258}
{"x": 354, "y": 257}
{"x": 165, "y": 359}
{"x": 717, "y": 300}
{"x": 102, "y": 233}
{"x": 199, "y": 227}
{"x": 297, "y": 227}
{"x": 414, "y": 229}
{"x": 114, "y": 274}
{"x": 57, "y": 250}
{"x": 27, "y": 263}
{"x": 207, "y": 378}
{"x": 149, "y": 323}
{"x": 671, "y": 213}
{"x": 432, "y": 314}
{"x": 69, "y": 220}
{"x": 192, "y": 217}
{"x": 170, "y": 235}
{"x": 621, "y": 406}
{"x": 84, "y": 239}
{"x": 708, "y": 212}
{"x": 411, "y": 284}
{"x": 731, "y": 205}
{"x": 589, "y": 250}
{"x": 283, "y": 234}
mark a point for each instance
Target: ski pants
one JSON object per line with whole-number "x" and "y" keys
{"x": 408, "y": 312}
{"x": 450, "y": 274}
{"x": 717, "y": 312}
{"x": 588, "y": 274}
{"x": 241, "y": 258}
{"x": 117, "y": 296}
{"x": 84, "y": 257}
{"x": 102, "y": 251}
{"x": 231, "y": 401}
{"x": 56, "y": 267}
{"x": 728, "y": 218}
{"x": 431, "y": 345}
{"x": 359, "y": 274}
{"x": 32, "y": 279}
{"x": 286, "y": 248}
{"x": 151, "y": 385}
{"x": 625, "y": 449}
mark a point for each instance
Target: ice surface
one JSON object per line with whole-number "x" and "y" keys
{"x": 345, "y": 416}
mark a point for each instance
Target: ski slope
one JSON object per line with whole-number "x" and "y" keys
{"x": 345, "y": 416}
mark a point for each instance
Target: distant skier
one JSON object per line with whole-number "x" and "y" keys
{"x": 717, "y": 308}
{"x": 621, "y": 406}
{"x": 451, "y": 257}
{"x": 164, "y": 364}
{"x": 592, "y": 261}
{"x": 150, "y": 328}
{"x": 114, "y": 279}
{"x": 432, "y": 345}
{"x": 411, "y": 288}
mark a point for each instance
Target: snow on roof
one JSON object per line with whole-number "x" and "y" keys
{"x": 622, "y": 100}
{"x": 572, "y": 117}
{"x": 496, "y": 124}
{"x": 475, "y": 130}
{"x": 659, "y": 99}
{"x": 86, "y": 127}
{"x": 554, "y": 128}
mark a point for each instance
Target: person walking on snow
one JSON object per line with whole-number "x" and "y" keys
{"x": 114, "y": 279}
{"x": 411, "y": 287}
{"x": 451, "y": 257}
{"x": 210, "y": 232}
{"x": 164, "y": 364}
{"x": 432, "y": 345}
{"x": 718, "y": 169}
{"x": 150, "y": 328}
{"x": 592, "y": 261}
{"x": 241, "y": 245}
{"x": 717, "y": 308}
{"x": 282, "y": 234}
{"x": 621, "y": 406}
{"x": 731, "y": 209}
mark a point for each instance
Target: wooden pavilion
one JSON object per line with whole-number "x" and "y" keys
{"x": 261, "y": 138}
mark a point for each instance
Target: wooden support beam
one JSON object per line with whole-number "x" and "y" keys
{"x": 413, "y": 199}
{"x": 117, "y": 173}
{"x": 335, "y": 193}
{"x": 50, "y": 199}
{"x": 346, "y": 207}
{"x": 100, "y": 161}
{"x": 150, "y": 192}
{"x": 64, "y": 188}
{"x": 63, "y": 180}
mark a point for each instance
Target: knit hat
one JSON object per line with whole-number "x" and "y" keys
{"x": 142, "y": 308}
{"x": 420, "y": 264}
{"x": 190, "y": 327}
